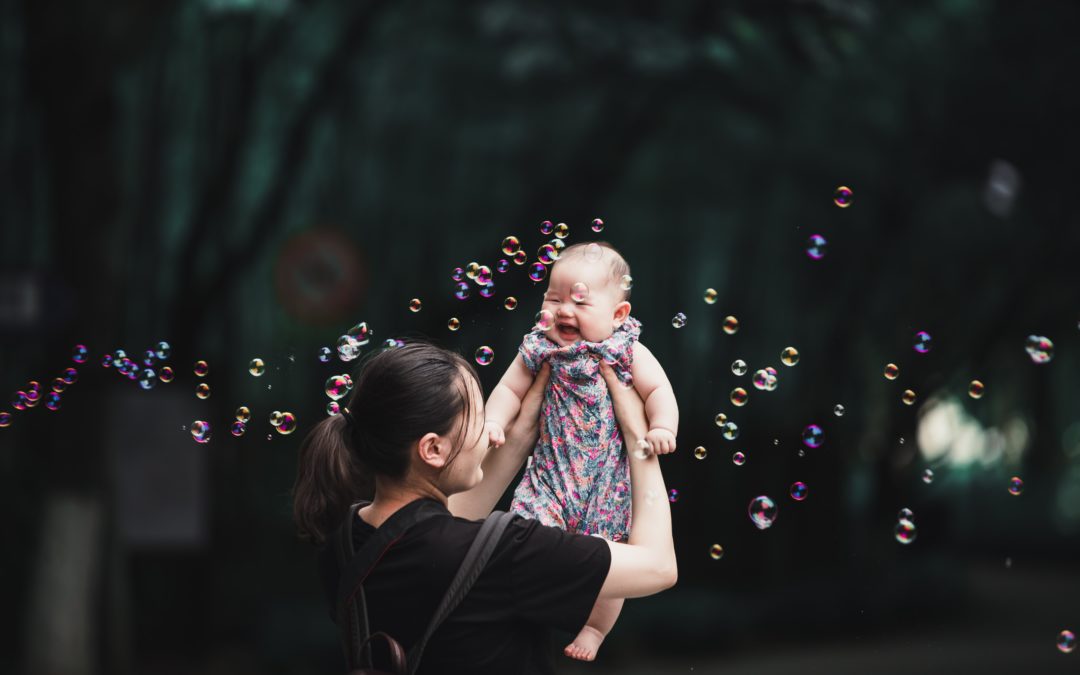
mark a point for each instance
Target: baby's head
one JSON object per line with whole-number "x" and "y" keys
{"x": 592, "y": 310}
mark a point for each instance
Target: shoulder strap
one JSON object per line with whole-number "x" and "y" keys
{"x": 475, "y": 560}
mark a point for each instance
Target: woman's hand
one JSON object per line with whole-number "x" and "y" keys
{"x": 629, "y": 408}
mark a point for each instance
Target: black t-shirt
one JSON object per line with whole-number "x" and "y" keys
{"x": 538, "y": 578}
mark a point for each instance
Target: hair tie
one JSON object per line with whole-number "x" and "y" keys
{"x": 348, "y": 416}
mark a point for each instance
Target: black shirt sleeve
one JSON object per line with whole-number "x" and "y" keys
{"x": 555, "y": 576}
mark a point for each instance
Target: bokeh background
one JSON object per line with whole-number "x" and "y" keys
{"x": 250, "y": 178}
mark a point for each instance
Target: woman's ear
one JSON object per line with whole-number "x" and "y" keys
{"x": 622, "y": 310}
{"x": 432, "y": 450}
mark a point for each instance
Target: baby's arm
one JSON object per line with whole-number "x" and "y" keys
{"x": 661, "y": 407}
{"x": 505, "y": 400}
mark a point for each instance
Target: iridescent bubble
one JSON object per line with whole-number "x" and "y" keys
{"x": 361, "y": 333}
{"x": 891, "y": 371}
{"x": 324, "y": 354}
{"x": 720, "y": 419}
{"x": 238, "y": 428}
{"x": 487, "y": 291}
{"x": 511, "y": 245}
{"x": 336, "y": 387}
{"x": 269, "y": 437}
{"x": 731, "y": 325}
{"x": 976, "y": 389}
{"x": 546, "y": 227}
{"x": 348, "y": 348}
{"x": 716, "y": 551}
{"x": 58, "y": 385}
{"x": 503, "y": 266}
{"x": 166, "y": 374}
{"x": 798, "y": 491}
{"x": 641, "y": 449}
{"x": 738, "y": 459}
{"x": 762, "y": 512}
{"x": 679, "y": 320}
{"x": 905, "y": 531}
{"x": 510, "y": 303}
{"x": 547, "y": 254}
{"x": 813, "y": 436}
{"x": 484, "y": 276}
{"x": 454, "y": 323}
{"x": 790, "y": 356}
{"x": 520, "y": 258}
{"x": 579, "y": 292}
{"x": 348, "y": 381}
{"x": 484, "y": 355}
{"x": 472, "y": 269}
{"x": 148, "y": 357}
{"x": 106, "y": 361}
{"x": 1016, "y": 486}
{"x": 200, "y": 431}
{"x": 80, "y": 353}
{"x": 52, "y": 400}
{"x": 928, "y": 476}
{"x": 761, "y": 379}
{"x": 906, "y": 514}
{"x": 1066, "y": 641}
{"x": 458, "y": 274}
{"x": 838, "y": 410}
{"x": 597, "y": 225}
{"x": 1039, "y": 348}
{"x": 5, "y": 420}
{"x": 70, "y": 375}
{"x": 148, "y": 378}
{"x": 333, "y": 408}
{"x": 673, "y": 495}
{"x": 739, "y": 397}
{"x": 815, "y": 247}
{"x": 593, "y": 252}
{"x": 908, "y": 397}
{"x": 201, "y": 368}
{"x": 287, "y": 424}
{"x": 203, "y": 391}
{"x": 730, "y": 431}
{"x": 710, "y": 296}
{"x": 20, "y": 401}
{"x": 923, "y": 342}
{"x": 559, "y": 245}
{"x": 163, "y": 350}
{"x": 415, "y": 305}
{"x": 275, "y": 418}
{"x": 738, "y": 366}
{"x": 461, "y": 291}
{"x": 562, "y": 231}
{"x": 118, "y": 357}
{"x": 626, "y": 282}
{"x": 393, "y": 343}
{"x": 842, "y": 197}
{"x": 257, "y": 367}
{"x": 537, "y": 272}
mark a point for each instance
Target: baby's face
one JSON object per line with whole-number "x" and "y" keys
{"x": 593, "y": 317}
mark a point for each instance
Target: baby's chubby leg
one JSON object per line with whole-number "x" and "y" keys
{"x": 587, "y": 642}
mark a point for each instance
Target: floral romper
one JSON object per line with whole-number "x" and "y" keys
{"x": 578, "y": 478}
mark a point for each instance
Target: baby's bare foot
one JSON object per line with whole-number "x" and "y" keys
{"x": 585, "y": 645}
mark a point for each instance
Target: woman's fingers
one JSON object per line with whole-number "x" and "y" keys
{"x": 530, "y": 405}
{"x": 629, "y": 408}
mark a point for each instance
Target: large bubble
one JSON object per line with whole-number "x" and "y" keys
{"x": 762, "y": 511}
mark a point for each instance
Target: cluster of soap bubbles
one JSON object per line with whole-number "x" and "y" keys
{"x": 353, "y": 340}
{"x": 905, "y": 526}
{"x": 1039, "y": 348}
{"x": 284, "y": 422}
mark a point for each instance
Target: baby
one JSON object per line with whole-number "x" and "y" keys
{"x": 578, "y": 478}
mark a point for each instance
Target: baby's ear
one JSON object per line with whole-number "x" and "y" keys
{"x": 622, "y": 310}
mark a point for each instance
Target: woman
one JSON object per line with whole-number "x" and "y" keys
{"x": 416, "y": 424}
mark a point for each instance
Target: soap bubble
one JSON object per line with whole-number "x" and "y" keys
{"x": 520, "y": 258}
{"x": 547, "y": 254}
{"x": 546, "y": 227}
{"x": 790, "y": 356}
{"x": 626, "y": 282}
{"x": 70, "y": 375}
{"x": 928, "y": 476}
{"x": 738, "y": 459}
{"x": 762, "y": 512}
{"x": 415, "y": 305}
{"x": 203, "y": 391}
{"x": 287, "y": 425}
{"x": 798, "y": 491}
{"x": 739, "y": 396}
{"x": 721, "y": 419}
{"x": 537, "y": 272}
{"x": 461, "y": 291}
{"x": 641, "y": 449}
{"x": 1016, "y": 486}
{"x": 336, "y": 387}
{"x": 730, "y": 431}
{"x": 700, "y": 452}
{"x": 362, "y": 334}
{"x": 166, "y": 374}
{"x": 906, "y": 514}
{"x": 562, "y": 230}
{"x": 503, "y": 266}
{"x": 275, "y": 418}
{"x": 243, "y": 414}
{"x": 731, "y": 325}
{"x": 716, "y": 551}
{"x": 579, "y": 292}
{"x": 891, "y": 371}
{"x": 5, "y": 419}
{"x": 118, "y": 357}
{"x": 58, "y": 385}
{"x": 1039, "y": 348}
{"x": 257, "y": 367}
{"x": 324, "y": 354}
{"x": 238, "y": 428}
{"x": 597, "y": 225}
{"x": 815, "y": 247}
{"x": 838, "y": 410}
{"x": 163, "y": 350}
{"x": 905, "y": 531}
{"x": 511, "y": 245}
{"x": 765, "y": 380}
{"x": 544, "y": 320}
{"x": 1066, "y": 641}
{"x": 842, "y": 197}
{"x": 813, "y": 436}
{"x": 487, "y": 291}
{"x": 710, "y": 296}
{"x": 201, "y": 368}
{"x": 149, "y": 357}
{"x": 458, "y": 274}
{"x": 106, "y": 361}
{"x": 200, "y": 431}
{"x": 79, "y": 354}
{"x": 454, "y": 323}
{"x": 472, "y": 269}
{"x": 333, "y": 408}
{"x": 20, "y": 401}
{"x": 738, "y": 367}
{"x": 908, "y": 397}
{"x": 485, "y": 355}
{"x": 976, "y": 389}
{"x": 593, "y": 252}
{"x": 348, "y": 348}
{"x": 679, "y": 320}
{"x": 673, "y": 495}
{"x": 922, "y": 342}
{"x": 510, "y": 303}
{"x": 483, "y": 276}
{"x": 52, "y": 400}
{"x": 148, "y": 378}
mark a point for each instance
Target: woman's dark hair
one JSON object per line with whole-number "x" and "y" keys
{"x": 400, "y": 394}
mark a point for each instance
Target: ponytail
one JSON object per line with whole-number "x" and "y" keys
{"x": 328, "y": 479}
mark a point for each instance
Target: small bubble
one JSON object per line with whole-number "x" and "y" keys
{"x": 700, "y": 452}
{"x": 730, "y": 431}
{"x": 838, "y": 410}
{"x": 710, "y": 296}
{"x": 626, "y": 282}
{"x": 472, "y": 269}
{"x": 673, "y": 495}
{"x": 891, "y": 371}
{"x": 597, "y": 225}
{"x": 738, "y": 367}
{"x": 336, "y": 387}
{"x": 908, "y": 397}
{"x": 200, "y": 431}
{"x": 1016, "y": 486}
{"x": 679, "y": 320}
{"x": 511, "y": 245}
{"x": 547, "y": 227}
{"x": 458, "y": 274}
{"x": 5, "y": 420}
{"x": 257, "y": 367}
{"x": 928, "y": 476}
{"x": 333, "y": 408}
{"x": 762, "y": 511}
{"x": 201, "y": 368}
{"x": 147, "y": 379}
{"x": 922, "y": 342}
{"x": 579, "y": 292}
{"x": 716, "y": 551}
{"x": 731, "y": 325}
{"x": 720, "y": 419}
{"x": 287, "y": 425}
{"x": 1039, "y": 348}
{"x": 641, "y": 449}
{"x": 454, "y": 323}
{"x": 324, "y": 354}
{"x": 415, "y": 305}
{"x": 538, "y": 272}
{"x": 243, "y": 414}
{"x": 976, "y": 389}
{"x": 483, "y": 275}
{"x": 562, "y": 230}
{"x": 163, "y": 350}
{"x": 905, "y": 531}
{"x": 843, "y": 196}
{"x": 815, "y": 247}
{"x": 275, "y": 418}
{"x": 203, "y": 391}
{"x": 80, "y": 353}
{"x": 813, "y": 436}
{"x": 798, "y": 491}
{"x": 738, "y": 459}
{"x": 238, "y": 428}
{"x": 462, "y": 291}
{"x": 790, "y": 356}
{"x": 544, "y": 320}
{"x": 739, "y": 397}
{"x": 906, "y": 514}
{"x": 1066, "y": 641}
{"x": 485, "y": 355}
{"x": 510, "y": 303}
{"x": 520, "y": 258}
{"x": 503, "y": 266}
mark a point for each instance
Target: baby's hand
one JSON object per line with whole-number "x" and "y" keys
{"x": 661, "y": 441}
{"x": 496, "y": 435}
